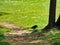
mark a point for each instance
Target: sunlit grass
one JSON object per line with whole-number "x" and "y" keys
{"x": 26, "y": 12}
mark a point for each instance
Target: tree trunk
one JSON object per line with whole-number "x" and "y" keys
{"x": 57, "y": 24}
{"x": 52, "y": 13}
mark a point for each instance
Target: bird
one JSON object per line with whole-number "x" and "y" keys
{"x": 34, "y": 27}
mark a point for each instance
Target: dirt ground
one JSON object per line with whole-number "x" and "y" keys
{"x": 21, "y": 36}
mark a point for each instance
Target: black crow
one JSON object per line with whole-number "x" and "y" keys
{"x": 34, "y": 28}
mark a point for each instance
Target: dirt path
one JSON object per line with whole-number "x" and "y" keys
{"x": 19, "y": 36}
{"x": 12, "y": 26}
{"x": 14, "y": 29}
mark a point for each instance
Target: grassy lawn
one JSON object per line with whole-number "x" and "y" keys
{"x": 26, "y": 12}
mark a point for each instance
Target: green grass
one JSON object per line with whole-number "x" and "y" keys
{"x": 26, "y": 12}
{"x": 3, "y": 31}
{"x": 54, "y": 36}
{"x": 3, "y": 41}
